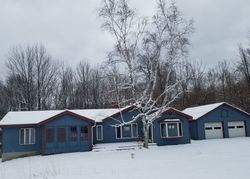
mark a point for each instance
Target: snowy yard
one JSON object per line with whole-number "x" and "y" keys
{"x": 208, "y": 159}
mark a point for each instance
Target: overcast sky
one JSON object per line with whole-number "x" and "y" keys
{"x": 70, "y": 29}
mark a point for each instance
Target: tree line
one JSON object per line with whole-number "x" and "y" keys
{"x": 149, "y": 60}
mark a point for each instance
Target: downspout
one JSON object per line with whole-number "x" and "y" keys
{"x": 152, "y": 132}
{"x": 93, "y": 134}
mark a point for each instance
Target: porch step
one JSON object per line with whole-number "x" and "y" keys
{"x": 120, "y": 146}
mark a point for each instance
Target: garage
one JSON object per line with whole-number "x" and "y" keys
{"x": 218, "y": 120}
{"x": 236, "y": 129}
{"x": 213, "y": 130}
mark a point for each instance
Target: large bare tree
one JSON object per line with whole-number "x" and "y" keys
{"x": 127, "y": 28}
{"x": 165, "y": 43}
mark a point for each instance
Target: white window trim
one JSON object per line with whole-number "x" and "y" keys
{"x": 116, "y": 132}
{"x": 99, "y": 139}
{"x": 24, "y": 136}
{"x": 166, "y": 128}
{"x": 132, "y": 132}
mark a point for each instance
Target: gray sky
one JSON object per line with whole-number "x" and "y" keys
{"x": 70, "y": 29}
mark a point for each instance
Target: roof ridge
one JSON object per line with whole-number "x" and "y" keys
{"x": 204, "y": 105}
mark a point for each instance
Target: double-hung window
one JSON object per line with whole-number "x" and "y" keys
{"x": 127, "y": 131}
{"x": 99, "y": 132}
{"x": 84, "y": 133}
{"x": 171, "y": 129}
{"x": 27, "y": 136}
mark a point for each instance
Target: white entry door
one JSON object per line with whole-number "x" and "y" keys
{"x": 213, "y": 130}
{"x": 236, "y": 129}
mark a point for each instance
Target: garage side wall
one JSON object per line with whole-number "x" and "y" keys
{"x": 222, "y": 114}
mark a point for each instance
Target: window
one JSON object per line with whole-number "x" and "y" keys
{"x": 127, "y": 131}
{"x": 27, "y": 136}
{"x": 240, "y": 126}
{"x": 231, "y": 127}
{"x": 99, "y": 132}
{"x": 50, "y": 135}
{"x": 118, "y": 132}
{"x": 73, "y": 134}
{"x": 171, "y": 129}
{"x": 84, "y": 133}
{"x": 61, "y": 133}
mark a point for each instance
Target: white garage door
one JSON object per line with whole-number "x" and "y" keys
{"x": 236, "y": 129}
{"x": 213, "y": 130}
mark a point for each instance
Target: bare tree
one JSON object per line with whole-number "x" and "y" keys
{"x": 21, "y": 66}
{"x": 33, "y": 74}
{"x": 83, "y": 77}
{"x": 168, "y": 42}
{"x": 122, "y": 22}
{"x": 45, "y": 76}
{"x": 165, "y": 43}
{"x": 65, "y": 91}
{"x": 244, "y": 65}
{"x": 4, "y": 100}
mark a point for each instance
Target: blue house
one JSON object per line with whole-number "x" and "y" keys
{"x": 219, "y": 120}
{"x": 51, "y": 132}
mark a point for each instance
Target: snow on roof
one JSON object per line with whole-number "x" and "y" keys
{"x": 172, "y": 120}
{"x": 158, "y": 113}
{"x": 199, "y": 111}
{"x": 35, "y": 117}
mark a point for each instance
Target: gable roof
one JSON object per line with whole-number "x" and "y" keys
{"x": 37, "y": 117}
{"x": 200, "y": 111}
{"x": 172, "y": 110}
{"x": 66, "y": 112}
{"x": 178, "y": 112}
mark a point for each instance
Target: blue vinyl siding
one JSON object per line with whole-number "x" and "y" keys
{"x": 193, "y": 130}
{"x": 218, "y": 115}
{"x": 11, "y": 141}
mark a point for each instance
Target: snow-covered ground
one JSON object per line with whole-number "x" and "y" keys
{"x": 208, "y": 159}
